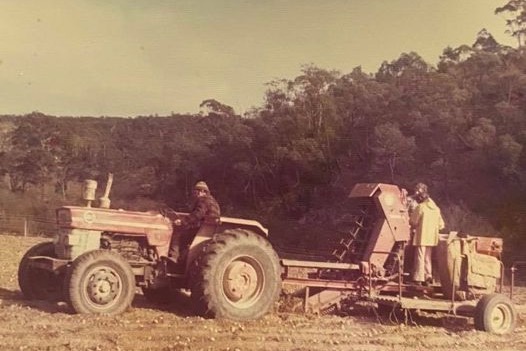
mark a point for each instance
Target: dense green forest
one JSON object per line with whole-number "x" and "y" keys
{"x": 459, "y": 126}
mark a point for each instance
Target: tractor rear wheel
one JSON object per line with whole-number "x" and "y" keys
{"x": 100, "y": 281}
{"x": 237, "y": 277}
{"x": 496, "y": 314}
{"x": 36, "y": 283}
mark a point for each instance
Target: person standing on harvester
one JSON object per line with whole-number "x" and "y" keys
{"x": 426, "y": 220}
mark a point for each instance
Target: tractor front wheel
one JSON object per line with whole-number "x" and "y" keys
{"x": 100, "y": 281}
{"x": 496, "y": 314}
{"x": 238, "y": 276}
{"x": 36, "y": 283}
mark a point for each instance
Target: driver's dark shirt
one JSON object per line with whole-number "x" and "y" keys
{"x": 205, "y": 209}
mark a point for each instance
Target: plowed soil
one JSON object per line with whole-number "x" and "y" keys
{"x": 41, "y": 325}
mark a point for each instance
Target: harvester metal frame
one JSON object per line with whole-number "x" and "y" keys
{"x": 324, "y": 291}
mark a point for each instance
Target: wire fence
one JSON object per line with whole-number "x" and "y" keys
{"x": 28, "y": 225}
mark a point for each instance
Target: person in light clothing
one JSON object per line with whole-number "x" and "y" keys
{"x": 426, "y": 220}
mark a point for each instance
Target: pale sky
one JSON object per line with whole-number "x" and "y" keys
{"x": 145, "y": 57}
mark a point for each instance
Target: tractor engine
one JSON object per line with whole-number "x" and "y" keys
{"x": 468, "y": 265}
{"x": 136, "y": 235}
{"x": 132, "y": 248}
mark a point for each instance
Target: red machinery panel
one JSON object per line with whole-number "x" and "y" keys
{"x": 156, "y": 227}
{"x": 387, "y": 205}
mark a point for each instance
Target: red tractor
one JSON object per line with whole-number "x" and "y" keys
{"x": 100, "y": 255}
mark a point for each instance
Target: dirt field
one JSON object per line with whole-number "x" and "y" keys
{"x": 38, "y": 325}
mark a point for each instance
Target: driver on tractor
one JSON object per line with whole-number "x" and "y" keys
{"x": 205, "y": 209}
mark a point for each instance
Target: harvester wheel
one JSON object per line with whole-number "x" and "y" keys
{"x": 238, "y": 276}
{"x": 39, "y": 284}
{"x": 100, "y": 281}
{"x": 496, "y": 314}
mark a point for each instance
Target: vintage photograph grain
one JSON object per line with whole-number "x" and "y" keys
{"x": 244, "y": 175}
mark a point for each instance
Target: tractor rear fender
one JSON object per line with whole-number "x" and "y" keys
{"x": 207, "y": 231}
{"x": 231, "y": 223}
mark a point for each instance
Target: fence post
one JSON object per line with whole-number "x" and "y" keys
{"x": 25, "y": 226}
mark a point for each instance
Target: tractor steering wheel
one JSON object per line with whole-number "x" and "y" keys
{"x": 169, "y": 213}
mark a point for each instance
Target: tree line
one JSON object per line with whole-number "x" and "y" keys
{"x": 458, "y": 126}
